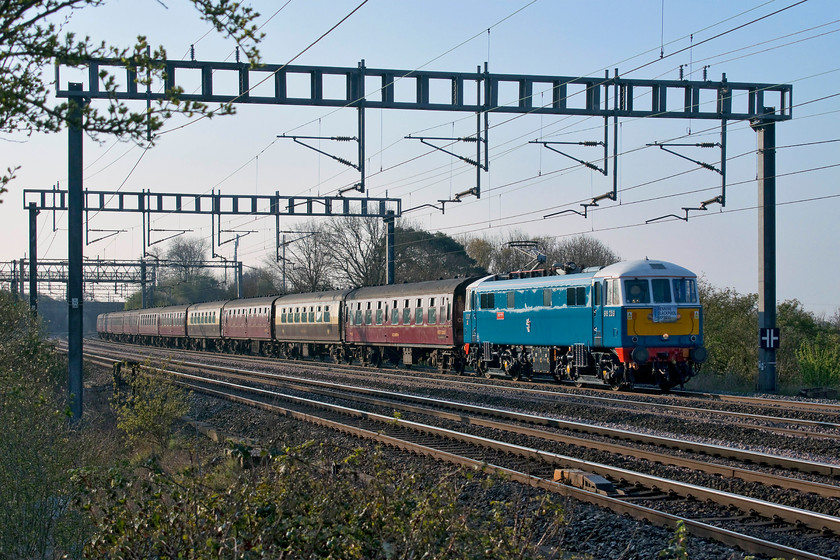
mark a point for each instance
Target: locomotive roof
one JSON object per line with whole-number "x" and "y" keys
{"x": 643, "y": 268}
{"x": 634, "y": 269}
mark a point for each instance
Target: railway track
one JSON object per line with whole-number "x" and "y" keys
{"x": 797, "y": 421}
{"x": 786, "y": 409}
{"x": 639, "y": 494}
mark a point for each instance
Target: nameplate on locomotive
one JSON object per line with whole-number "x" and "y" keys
{"x": 665, "y": 314}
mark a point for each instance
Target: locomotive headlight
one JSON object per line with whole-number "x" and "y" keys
{"x": 665, "y": 336}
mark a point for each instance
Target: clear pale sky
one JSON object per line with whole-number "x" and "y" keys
{"x": 240, "y": 154}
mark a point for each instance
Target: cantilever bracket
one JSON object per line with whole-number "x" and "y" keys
{"x": 719, "y": 199}
{"x": 174, "y": 232}
{"x": 360, "y": 186}
{"x": 443, "y": 203}
{"x": 348, "y": 163}
{"x": 356, "y": 187}
{"x": 702, "y": 208}
{"x": 110, "y": 232}
{"x": 590, "y": 165}
{"x": 586, "y": 205}
{"x": 702, "y": 164}
{"x": 237, "y": 232}
{"x": 424, "y": 140}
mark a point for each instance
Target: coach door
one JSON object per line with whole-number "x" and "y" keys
{"x": 597, "y": 299}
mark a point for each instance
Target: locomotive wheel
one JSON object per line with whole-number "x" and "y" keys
{"x": 664, "y": 379}
{"x": 528, "y": 371}
{"x": 459, "y": 366}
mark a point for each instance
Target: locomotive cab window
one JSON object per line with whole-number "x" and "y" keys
{"x": 637, "y": 291}
{"x": 613, "y": 293}
{"x": 685, "y": 290}
{"x": 661, "y": 290}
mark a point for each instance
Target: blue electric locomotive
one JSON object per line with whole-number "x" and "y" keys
{"x": 629, "y": 323}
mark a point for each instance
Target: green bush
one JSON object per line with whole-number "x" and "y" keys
{"x": 148, "y": 407}
{"x": 37, "y": 446}
{"x": 730, "y": 324}
{"x": 819, "y": 361}
{"x": 299, "y": 508}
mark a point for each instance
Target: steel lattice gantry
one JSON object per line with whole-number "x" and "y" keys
{"x": 762, "y": 104}
{"x": 750, "y": 98}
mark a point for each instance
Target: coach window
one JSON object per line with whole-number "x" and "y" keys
{"x": 311, "y": 313}
{"x": 327, "y": 314}
{"x": 297, "y": 314}
{"x": 378, "y": 312}
{"x": 406, "y": 320}
{"x": 418, "y": 312}
{"x": 637, "y": 291}
{"x": 432, "y": 312}
{"x": 368, "y": 315}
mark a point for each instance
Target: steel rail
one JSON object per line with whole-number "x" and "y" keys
{"x": 668, "y": 442}
{"x": 698, "y": 528}
{"x": 746, "y": 475}
{"x": 551, "y": 396}
{"x": 713, "y": 450}
{"x": 817, "y": 521}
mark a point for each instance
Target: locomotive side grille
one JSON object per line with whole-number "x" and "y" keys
{"x": 581, "y": 355}
{"x": 486, "y": 349}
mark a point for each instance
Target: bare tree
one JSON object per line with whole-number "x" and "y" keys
{"x": 357, "y": 249}
{"x": 584, "y": 251}
{"x": 308, "y": 265}
{"x": 185, "y": 255}
{"x": 481, "y": 251}
{"x": 499, "y": 255}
